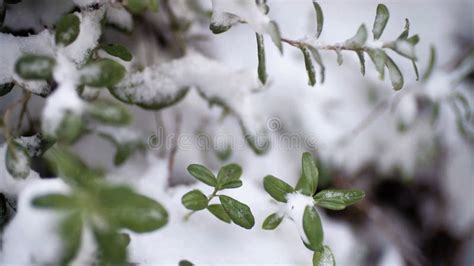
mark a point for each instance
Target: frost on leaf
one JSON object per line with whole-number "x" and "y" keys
{"x": 160, "y": 86}
{"x": 15, "y": 47}
{"x": 226, "y": 13}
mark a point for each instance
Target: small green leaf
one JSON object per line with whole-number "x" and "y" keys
{"x": 218, "y": 211}
{"x": 277, "y": 188}
{"x": 194, "y": 200}
{"x": 70, "y": 230}
{"x": 231, "y": 184}
{"x": 102, "y": 73}
{"x": 17, "y": 160}
{"x": 361, "y": 57}
{"x": 431, "y": 64}
{"x": 406, "y": 30}
{"x": 124, "y": 151}
{"x": 110, "y": 112}
{"x": 185, "y": 263}
{"x": 338, "y": 199}
{"x": 201, "y": 173}
{"x": 217, "y": 28}
{"x": 359, "y": 39}
{"x": 381, "y": 20}
{"x": 228, "y": 173}
{"x": 308, "y": 63}
{"x": 35, "y": 67}
{"x": 319, "y": 18}
{"x": 324, "y": 257}
{"x": 274, "y": 32}
{"x": 137, "y": 6}
{"x": 67, "y": 29}
{"x": 111, "y": 247}
{"x": 131, "y": 210}
{"x": 117, "y": 50}
{"x": 55, "y": 201}
{"x": 71, "y": 128}
{"x": 404, "y": 48}
{"x": 272, "y": 221}
{"x": 310, "y": 173}
{"x": 153, "y": 5}
{"x": 317, "y": 57}
{"x": 312, "y": 228}
{"x": 378, "y": 58}
{"x": 262, "y": 72}
{"x": 396, "y": 75}
{"x": 238, "y": 212}
{"x": 6, "y": 88}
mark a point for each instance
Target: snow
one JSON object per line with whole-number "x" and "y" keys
{"x": 226, "y": 12}
{"x": 15, "y": 47}
{"x": 119, "y": 17}
{"x": 90, "y": 31}
{"x": 295, "y": 208}
{"x": 9, "y": 185}
{"x": 64, "y": 99}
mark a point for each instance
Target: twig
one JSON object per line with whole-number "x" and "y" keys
{"x": 174, "y": 148}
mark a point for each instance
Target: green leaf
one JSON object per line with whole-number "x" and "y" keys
{"x": 312, "y": 228}
{"x": 102, "y": 73}
{"x": 238, "y": 212}
{"x": 361, "y": 57}
{"x": 310, "y": 173}
{"x": 123, "y": 152}
{"x": 227, "y": 174}
{"x": 272, "y": 221}
{"x": 6, "y": 88}
{"x": 378, "y": 58}
{"x": 231, "y": 184}
{"x": 359, "y": 39}
{"x": 218, "y": 211}
{"x": 70, "y": 230}
{"x": 262, "y": 72}
{"x": 55, "y": 201}
{"x": 404, "y": 48}
{"x": 137, "y": 6}
{"x": 131, "y": 210}
{"x": 406, "y": 31}
{"x": 317, "y": 57}
{"x": 112, "y": 249}
{"x": 194, "y": 200}
{"x": 117, "y": 50}
{"x": 201, "y": 173}
{"x": 274, "y": 32}
{"x": 70, "y": 128}
{"x": 17, "y": 160}
{"x": 381, "y": 20}
{"x": 110, "y": 112}
{"x": 308, "y": 63}
{"x": 70, "y": 167}
{"x": 153, "y": 5}
{"x": 185, "y": 263}
{"x": 319, "y": 18}
{"x": 217, "y": 28}
{"x": 67, "y": 29}
{"x": 35, "y": 67}
{"x": 431, "y": 64}
{"x": 396, "y": 75}
{"x": 324, "y": 257}
{"x": 338, "y": 199}
{"x": 277, "y": 188}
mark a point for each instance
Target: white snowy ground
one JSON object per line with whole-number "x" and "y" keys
{"x": 30, "y": 238}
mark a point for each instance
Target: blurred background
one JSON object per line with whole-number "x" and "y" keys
{"x": 412, "y": 151}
